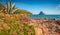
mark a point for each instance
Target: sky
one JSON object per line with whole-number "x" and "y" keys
{"x": 35, "y": 6}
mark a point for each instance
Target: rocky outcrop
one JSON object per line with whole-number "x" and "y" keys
{"x": 43, "y": 26}
{"x": 58, "y": 21}
{"x": 41, "y": 13}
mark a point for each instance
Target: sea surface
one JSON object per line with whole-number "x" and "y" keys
{"x": 33, "y": 16}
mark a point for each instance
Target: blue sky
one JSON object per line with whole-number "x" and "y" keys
{"x": 35, "y": 6}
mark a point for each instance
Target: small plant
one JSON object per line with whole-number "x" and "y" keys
{"x": 9, "y": 8}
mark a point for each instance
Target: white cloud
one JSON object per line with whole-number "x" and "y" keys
{"x": 58, "y": 6}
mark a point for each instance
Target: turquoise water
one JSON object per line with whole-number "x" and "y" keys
{"x": 44, "y": 16}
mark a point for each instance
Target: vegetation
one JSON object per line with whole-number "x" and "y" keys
{"x": 10, "y": 25}
{"x": 10, "y": 8}
{"x": 22, "y": 12}
{"x": 10, "y": 21}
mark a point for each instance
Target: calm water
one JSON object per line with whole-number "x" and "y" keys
{"x": 44, "y": 16}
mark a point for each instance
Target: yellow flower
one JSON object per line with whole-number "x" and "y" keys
{"x": 12, "y": 17}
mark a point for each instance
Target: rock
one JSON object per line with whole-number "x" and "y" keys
{"x": 41, "y": 13}
{"x": 43, "y": 26}
{"x": 58, "y": 22}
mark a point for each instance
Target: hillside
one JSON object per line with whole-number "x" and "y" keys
{"x": 14, "y": 21}
{"x": 22, "y": 12}
{"x": 10, "y": 24}
{"x": 18, "y": 11}
{"x": 20, "y": 24}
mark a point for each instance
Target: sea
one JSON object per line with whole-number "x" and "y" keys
{"x": 34, "y": 16}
